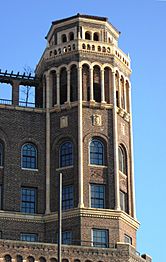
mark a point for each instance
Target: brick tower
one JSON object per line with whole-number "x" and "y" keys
{"x": 80, "y": 126}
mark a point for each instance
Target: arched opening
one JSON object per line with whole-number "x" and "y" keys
{"x": 73, "y": 83}
{"x": 5, "y": 93}
{"x": 88, "y": 47}
{"x": 96, "y": 37}
{"x": 53, "y": 259}
{"x": 122, "y": 159}
{"x": 77, "y": 260}
{"x": 97, "y": 84}
{"x": 122, "y": 92}
{"x": 88, "y": 35}
{"x": 93, "y": 48}
{"x": 42, "y": 259}
{"x": 54, "y": 87}
{"x": 64, "y": 38}
{"x": 63, "y": 85}
{"x": 7, "y": 258}
{"x": 127, "y": 96}
{"x": 107, "y": 84}
{"x": 30, "y": 259}
{"x": 117, "y": 88}
{"x": 85, "y": 83}
{"x": 19, "y": 258}
{"x": 71, "y": 36}
{"x": 99, "y": 48}
{"x": 65, "y": 260}
{"x": 83, "y": 46}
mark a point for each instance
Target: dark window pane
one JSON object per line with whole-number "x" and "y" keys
{"x": 28, "y": 200}
{"x": 29, "y": 156}
{"x": 96, "y": 152}
{"x": 66, "y": 154}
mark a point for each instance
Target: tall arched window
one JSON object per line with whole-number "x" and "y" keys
{"x": 96, "y": 152}
{"x": 96, "y": 37}
{"x": 64, "y": 38}
{"x": 122, "y": 159}
{"x": 29, "y": 156}
{"x": 71, "y": 36}
{"x": 73, "y": 83}
{"x": 66, "y": 154}
{"x": 97, "y": 83}
{"x": 1, "y": 154}
{"x": 8, "y": 258}
{"x": 85, "y": 83}
{"x": 63, "y": 85}
{"x": 88, "y": 35}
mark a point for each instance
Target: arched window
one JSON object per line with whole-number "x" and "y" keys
{"x": 64, "y": 38}
{"x": 96, "y": 37}
{"x": 63, "y": 85}
{"x": 122, "y": 159}
{"x": 29, "y": 156}
{"x": 53, "y": 259}
{"x": 85, "y": 82}
{"x": 30, "y": 259}
{"x": 19, "y": 258}
{"x": 73, "y": 83}
{"x": 42, "y": 259}
{"x": 87, "y": 35}
{"x": 8, "y": 258}
{"x": 1, "y": 154}
{"x": 97, "y": 83}
{"x": 66, "y": 154}
{"x": 54, "y": 88}
{"x": 96, "y": 152}
{"x": 71, "y": 36}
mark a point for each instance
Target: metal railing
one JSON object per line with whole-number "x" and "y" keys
{"x": 5, "y": 101}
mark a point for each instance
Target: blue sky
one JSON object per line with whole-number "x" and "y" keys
{"x": 23, "y": 26}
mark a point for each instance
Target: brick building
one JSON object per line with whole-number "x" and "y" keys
{"x": 80, "y": 125}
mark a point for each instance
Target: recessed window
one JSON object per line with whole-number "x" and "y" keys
{"x": 127, "y": 239}
{"x": 97, "y": 196}
{"x": 96, "y": 152}
{"x": 71, "y": 36}
{"x": 122, "y": 159}
{"x": 29, "y": 156}
{"x": 28, "y": 200}
{"x": 1, "y": 197}
{"x": 1, "y": 154}
{"x": 67, "y": 237}
{"x": 67, "y": 197}
{"x": 66, "y": 154}
{"x": 123, "y": 201}
{"x": 64, "y": 38}
{"x": 100, "y": 237}
{"x": 87, "y": 35}
{"x": 96, "y": 37}
{"x": 29, "y": 237}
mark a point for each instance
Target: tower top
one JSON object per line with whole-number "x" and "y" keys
{"x": 79, "y": 16}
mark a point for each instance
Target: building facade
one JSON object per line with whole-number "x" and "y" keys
{"x": 81, "y": 126}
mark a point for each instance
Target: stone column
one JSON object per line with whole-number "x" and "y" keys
{"x": 102, "y": 87}
{"x": 68, "y": 86}
{"x": 132, "y": 157}
{"x": 80, "y": 145}
{"x": 15, "y": 93}
{"x": 47, "y": 211}
{"x": 115, "y": 142}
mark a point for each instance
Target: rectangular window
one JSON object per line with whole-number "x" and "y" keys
{"x": 97, "y": 196}
{"x": 100, "y": 237}
{"x": 29, "y": 237}
{"x": 28, "y": 200}
{"x": 127, "y": 239}
{"x": 123, "y": 201}
{"x": 67, "y": 197}
{"x": 67, "y": 237}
